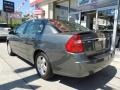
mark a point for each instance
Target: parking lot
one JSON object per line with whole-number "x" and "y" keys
{"x": 16, "y": 74}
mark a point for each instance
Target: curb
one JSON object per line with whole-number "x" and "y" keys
{"x": 117, "y": 55}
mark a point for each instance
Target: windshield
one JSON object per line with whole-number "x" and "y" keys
{"x": 65, "y": 26}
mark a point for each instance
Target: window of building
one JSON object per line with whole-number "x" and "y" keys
{"x": 106, "y": 19}
{"x": 118, "y": 32}
{"x": 83, "y": 1}
{"x": 61, "y": 9}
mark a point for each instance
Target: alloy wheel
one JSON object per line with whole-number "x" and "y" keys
{"x": 41, "y": 65}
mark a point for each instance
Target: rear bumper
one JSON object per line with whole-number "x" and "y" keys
{"x": 80, "y": 66}
{"x": 87, "y": 68}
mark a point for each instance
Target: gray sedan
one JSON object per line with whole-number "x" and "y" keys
{"x": 60, "y": 47}
{"x": 4, "y": 30}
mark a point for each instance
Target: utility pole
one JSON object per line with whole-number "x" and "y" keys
{"x": 69, "y": 4}
{"x": 7, "y": 19}
{"x": 6, "y": 13}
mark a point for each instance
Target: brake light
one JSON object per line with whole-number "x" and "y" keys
{"x": 75, "y": 44}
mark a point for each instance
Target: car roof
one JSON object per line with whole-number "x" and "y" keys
{"x": 44, "y": 20}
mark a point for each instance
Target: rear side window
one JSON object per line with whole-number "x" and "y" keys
{"x": 34, "y": 27}
{"x": 49, "y": 29}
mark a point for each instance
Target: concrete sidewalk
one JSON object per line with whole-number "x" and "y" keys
{"x": 117, "y": 55}
{"x": 15, "y": 74}
{"x": 7, "y": 75}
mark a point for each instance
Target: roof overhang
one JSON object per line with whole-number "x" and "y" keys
{"x": 40, "y": 2}
{"x": 97, "y": 4}
{"x": 33, "y": 2}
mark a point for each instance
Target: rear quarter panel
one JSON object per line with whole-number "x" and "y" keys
{"x": 54, "y": 46}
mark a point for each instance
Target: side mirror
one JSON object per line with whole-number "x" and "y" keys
{"x": 9, "y": 30}
{"x": 12, "y": 32}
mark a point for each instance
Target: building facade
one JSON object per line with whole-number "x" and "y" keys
{"x": 93, "y": 14}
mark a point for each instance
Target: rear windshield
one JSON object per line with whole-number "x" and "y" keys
{"x": 66, "y": 26}
{"x": 3, "y": 25}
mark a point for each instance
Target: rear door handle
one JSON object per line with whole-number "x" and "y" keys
{"x": 31, "y": 39}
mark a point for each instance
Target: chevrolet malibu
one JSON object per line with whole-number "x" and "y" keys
{"x": 60, "y": 47}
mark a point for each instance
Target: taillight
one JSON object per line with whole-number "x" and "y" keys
{"x": 75, "y": 45}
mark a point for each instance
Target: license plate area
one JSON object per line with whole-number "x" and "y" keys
{"x": 99, "y": 45}
{"x": 95, "y": 45}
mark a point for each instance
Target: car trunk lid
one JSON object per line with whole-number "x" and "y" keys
{"x": 94, "y": 43}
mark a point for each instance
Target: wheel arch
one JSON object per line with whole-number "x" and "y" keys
{"x": 35, "y": 53}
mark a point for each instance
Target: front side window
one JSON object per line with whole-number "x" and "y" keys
{"x": 34, "y": 27}
{"x": 20, "y": 29}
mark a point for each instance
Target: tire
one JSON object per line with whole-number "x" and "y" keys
{"x": 43, "y": 66}
{"x": 9, "y": 49}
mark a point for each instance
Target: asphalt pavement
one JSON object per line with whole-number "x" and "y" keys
{"x": 16, "y": 74}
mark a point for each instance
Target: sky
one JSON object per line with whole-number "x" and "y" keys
{"x": 25, "y": 9}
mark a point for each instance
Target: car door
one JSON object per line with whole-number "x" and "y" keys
{"x": 18, "y": 40}
{"x": 33, "y": 29}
